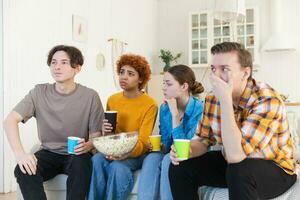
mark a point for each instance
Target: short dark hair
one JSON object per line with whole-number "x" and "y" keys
{"x": 75, "y": 55}
{"x": 184, "y": 74}
{"x": 244, "y": 55}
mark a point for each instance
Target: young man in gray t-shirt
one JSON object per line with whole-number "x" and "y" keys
{"x": 61, "y": 109}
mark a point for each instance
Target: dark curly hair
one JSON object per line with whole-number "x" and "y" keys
{"x": 184, "y": 74}
{"x": 244, "y": 55}
{"x": 137, "y": 62}
{"x": 75, "y": 55}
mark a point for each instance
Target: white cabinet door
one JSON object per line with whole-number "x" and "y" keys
{"x": 205, "y": 31}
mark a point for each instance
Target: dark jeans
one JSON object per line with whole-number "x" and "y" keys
{"x": 78, "y": 168}
{"x": 249, "y": 179}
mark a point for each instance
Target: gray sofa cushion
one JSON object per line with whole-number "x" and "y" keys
{"x": 213, "y": 193}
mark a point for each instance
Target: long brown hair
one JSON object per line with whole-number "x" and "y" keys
{"x": 184, "y": 74}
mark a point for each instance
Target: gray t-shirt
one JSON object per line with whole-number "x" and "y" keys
{"x": 59, "y": 115}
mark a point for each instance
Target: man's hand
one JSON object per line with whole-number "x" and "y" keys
{"x": 173, "y": 156}
{"x": 27, "y": 163}
{"x": 220, "y": 88}
{"x": 106, "y": 127}
{"x": 83, "y": 147}
{"x": 123, "y": 157}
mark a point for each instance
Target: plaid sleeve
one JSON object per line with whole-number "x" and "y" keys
{"x": 260, "y": 126}
{"x": 205, "y": 132}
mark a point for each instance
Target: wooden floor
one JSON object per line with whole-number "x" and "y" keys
{"x": 8, "y": 196}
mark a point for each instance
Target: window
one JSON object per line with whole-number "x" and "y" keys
{"x": 205, "y": 31}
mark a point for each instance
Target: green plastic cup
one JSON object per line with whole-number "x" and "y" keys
{"x": 182, "y": 147}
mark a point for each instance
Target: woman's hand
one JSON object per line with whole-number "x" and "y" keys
{"x": 106, "y": 127}
{"x": 149, "y": 146}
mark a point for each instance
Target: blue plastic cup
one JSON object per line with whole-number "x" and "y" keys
{"x": 72, "y": 142}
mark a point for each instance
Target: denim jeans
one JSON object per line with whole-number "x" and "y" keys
{"x": 150, "y": 177}
{"x": 112, "y": 180}
{"x": 49, "y": 164}
{"x": 165, "y": 190}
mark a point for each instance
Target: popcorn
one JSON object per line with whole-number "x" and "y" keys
{"x": 116, "y": 145}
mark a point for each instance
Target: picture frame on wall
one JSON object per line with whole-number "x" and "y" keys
{"x": 80, "y": 28}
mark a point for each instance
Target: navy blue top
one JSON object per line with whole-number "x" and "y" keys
{"x": 186, "y": 129}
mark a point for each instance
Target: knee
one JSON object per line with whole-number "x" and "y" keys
{"x": 166, "y": 161}
{"x": 98, "y": 159}
{"x": 26, "y": 178}
{"x": 18, "y": 173}
{"x": 118, "y": 167}
{"x": 175, "y": 171}
{"x": 165, "y": 165}
{"x": 153, "y": 158}
{"x": 237, "y": 172}
{"x": 81, "y": 163}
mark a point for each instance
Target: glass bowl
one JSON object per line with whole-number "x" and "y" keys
{"x": 116, "y": 145}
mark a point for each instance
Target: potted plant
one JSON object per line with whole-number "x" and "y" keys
{"x": 167, "y": 57}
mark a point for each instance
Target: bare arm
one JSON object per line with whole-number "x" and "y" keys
{"x": 12, "y": 132}
{"x": 26, "y": 162}
{"x": 174, "y": 111}
{"x": 197, "y": 148}
{"x": 231, "y": 134}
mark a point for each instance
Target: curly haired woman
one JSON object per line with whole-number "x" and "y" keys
{"x": 112, "y": 177}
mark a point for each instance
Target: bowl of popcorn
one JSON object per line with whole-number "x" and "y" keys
{"x": 116, "y": 145}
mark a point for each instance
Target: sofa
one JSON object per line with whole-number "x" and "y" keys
{"x": 56, "y": 190}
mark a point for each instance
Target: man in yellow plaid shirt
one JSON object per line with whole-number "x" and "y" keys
{"x": 247, "y": 119}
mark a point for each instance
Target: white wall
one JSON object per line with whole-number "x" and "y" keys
{"x": 173, "y": 24}
{"x": 32, "y": 27}
{"x": 1, "y": 99}
{"x": 281, "y": 69}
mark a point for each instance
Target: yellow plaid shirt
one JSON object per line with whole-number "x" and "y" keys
{"x": 262, "y": 119}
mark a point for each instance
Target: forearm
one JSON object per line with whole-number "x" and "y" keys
{"x": 197, "y": 148}
{"x": 231, "y": 134}
{"x": 94, "y": 135}
{"x": 175, "y": 120}
{"x": 12, "y": 133}
{"x": 90, "y": 141}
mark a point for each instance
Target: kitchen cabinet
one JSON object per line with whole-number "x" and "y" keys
{"x": 205, "y": 31}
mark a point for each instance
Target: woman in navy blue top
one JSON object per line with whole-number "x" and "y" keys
{"x": 179, "y": 116}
